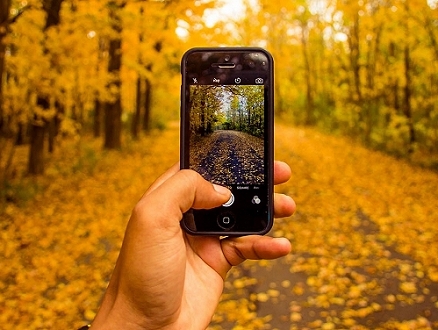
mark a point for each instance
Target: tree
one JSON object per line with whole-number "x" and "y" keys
{"x": 5, "y": 7}
{"x": 5, "y": 21}
{"x": 41, "y": 118}
{"x": 143, "y": 87}
{"x": 113, "y": 107}
{"x": 4, "y": 26}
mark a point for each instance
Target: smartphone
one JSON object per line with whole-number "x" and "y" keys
{"x": 227, "y": 119}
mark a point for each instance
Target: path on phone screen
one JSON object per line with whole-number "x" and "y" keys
{"x": 228, "y": 156}
{"x": 364, "y": 237}
{"x": 365, "y": 244}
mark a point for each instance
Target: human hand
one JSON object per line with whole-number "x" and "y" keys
{"x": 167, "y": 279}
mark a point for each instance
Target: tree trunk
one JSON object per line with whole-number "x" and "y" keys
{"x": 147, "y": 105}
{"x": 2, "y": 65}
{"x": 139, "y": 104}
{"x": 37, "y": 134}
{"x": 38, "y": 127}
{"x": 113, "y": 124}
{"x": 36, "y": 153}
{"x": 51, "y": 133}
{"x": 5, "y": 6}
{"x": 98, "y": 105}
{"x": 354, "y": 59}
{"x": 407, "y": 108}
{"x": 308, "y": 120}
{"x": 135, "y": 124}
{"x": 98, "y": 114}
{"x": 113, "y": 109}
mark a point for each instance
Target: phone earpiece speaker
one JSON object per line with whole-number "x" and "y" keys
{"x": 224, "y": 65}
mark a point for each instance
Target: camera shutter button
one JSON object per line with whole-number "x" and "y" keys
{"x": 230, "y": 201}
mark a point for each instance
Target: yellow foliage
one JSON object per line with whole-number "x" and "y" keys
{"x": 359, "y": 213}
{"x": 57, "y": 252}
{"x": 364, "y": 221}
{"x": 408, "y": 287}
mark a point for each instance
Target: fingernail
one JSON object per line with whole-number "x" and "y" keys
{"x": 221, "y": 189}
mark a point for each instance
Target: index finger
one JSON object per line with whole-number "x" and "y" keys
{"x": 282, "y": 172}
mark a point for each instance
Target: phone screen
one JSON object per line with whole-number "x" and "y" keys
{"x": 226, "y": 136}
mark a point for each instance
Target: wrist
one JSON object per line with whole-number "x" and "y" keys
{"x": 128, "y": 325}
{"x": 125, "y": 318}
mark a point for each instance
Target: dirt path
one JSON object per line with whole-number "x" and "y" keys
{"x": 365, "y": 244}
{"x": 230, "y": 156}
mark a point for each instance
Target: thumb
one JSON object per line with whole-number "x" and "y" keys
{"x": 184, "y": 190}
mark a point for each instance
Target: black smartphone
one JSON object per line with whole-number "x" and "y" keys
{"x": 227, "y": 119}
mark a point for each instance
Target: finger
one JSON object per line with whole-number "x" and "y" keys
{"x": 284, "y": 206}
{"x": 234, "y": 251}
{"x": 237, "y": 250}
{"x": 282, "y": 172}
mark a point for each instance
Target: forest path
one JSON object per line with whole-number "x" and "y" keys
{"x": 364, "y": 237}
{"x": 230, "y": 156}
{"x": 365, "y": 244}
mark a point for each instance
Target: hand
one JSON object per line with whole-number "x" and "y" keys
{"x": 166, "y": 279}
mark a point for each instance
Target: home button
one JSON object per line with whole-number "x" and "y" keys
{"x": 226, "y": 221}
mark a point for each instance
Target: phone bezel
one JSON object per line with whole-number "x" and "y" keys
{"x": 269, "y": 134}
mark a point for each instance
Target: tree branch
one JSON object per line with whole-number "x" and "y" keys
{"x": 14, "y": 18}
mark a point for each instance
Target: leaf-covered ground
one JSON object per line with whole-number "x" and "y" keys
{"x": 365, "y": 245}
{"x": 365, "y": 239}
{"x": 229, "y": 156}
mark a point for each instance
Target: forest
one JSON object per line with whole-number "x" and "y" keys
{"x": 226, "y": 132}
{"x": 366, "y": 69}
{"x": 89, "y": 117}
{"x": 227, "y": 107}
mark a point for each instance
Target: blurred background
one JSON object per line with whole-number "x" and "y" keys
{"x": 366, "y": 69}
{"x": 89, "y": 110}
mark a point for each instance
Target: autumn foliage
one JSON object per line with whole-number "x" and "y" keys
{"x": 364, "y": 238}
{"x": 366, "y": 69}
{"x": 89, "y": 100}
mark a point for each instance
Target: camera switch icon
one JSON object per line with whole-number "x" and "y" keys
{"x": 256, "y": 200}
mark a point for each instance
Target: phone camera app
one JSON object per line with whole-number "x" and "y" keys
{"x": 227, "y": 133}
